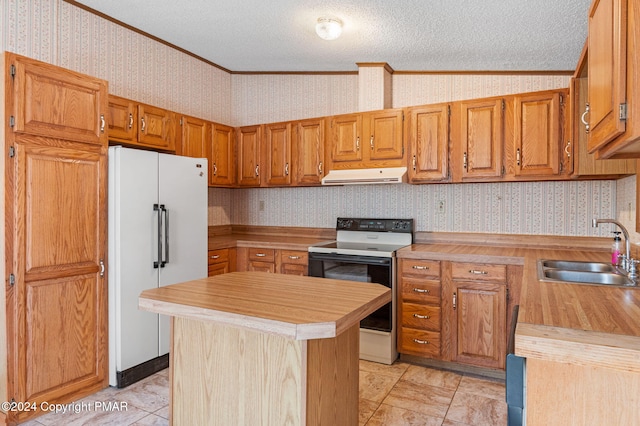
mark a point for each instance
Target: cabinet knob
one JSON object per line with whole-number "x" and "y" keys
{"x": 583, "y": 119}
{"x": 257, "y": 170}
{"x": 421, "y": 316}
{"x": 421, "y": 342}
{"x": 294, "y": 257}
{"x": 102, "y": 123}
{"x": 477, "y": 272}
{"x": 215, "y": 169}
{"x": 424, "y": 268}
{"x": 260, "y": 254}
{"x": 320, "y": 168}
{"x": 144, "y": 125}
{"x": 464, "y": 161}
{"x": 215, "y": 256}
{"x": 371, "y": 142}
{"x": 130, "y": 120}
{"x": 358, "y": 143}
{"x": 420, "y": 290}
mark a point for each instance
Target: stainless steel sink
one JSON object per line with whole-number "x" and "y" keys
{"x": 571, "y": 265}
{"x": 597, "y": 273}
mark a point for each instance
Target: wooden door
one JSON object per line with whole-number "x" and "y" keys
{"x": 309, "y": 151}
{"x": 58, "y": 305}
{"x": 277, "y": 154}
{"x": 428, "y": 142}
{"x": 346, "y": 132}
{"x": 222, "y": 156}
{"x": 155, "y": 128}
{"x": 122, "y": 120}
{"x": 481, "y": 138}
{"x": 607, "y": 71}
{"x": 384, "y": 135}
{"x": 479, "y": 323}
{"x": 537, "y": 133}
{"x": 194, "y": 137}
{"x": 249, "y": 155}
{"x": 56, "y": 103}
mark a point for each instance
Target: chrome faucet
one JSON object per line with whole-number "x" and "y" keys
{"x": 628, "y": 264}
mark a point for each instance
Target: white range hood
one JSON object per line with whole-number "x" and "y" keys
{"x": 366, "y": 176}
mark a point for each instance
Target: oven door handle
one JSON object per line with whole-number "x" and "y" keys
{"x": 347, "y": 258}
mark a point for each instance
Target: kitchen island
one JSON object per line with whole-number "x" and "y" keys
{"x": 269, "y": 349}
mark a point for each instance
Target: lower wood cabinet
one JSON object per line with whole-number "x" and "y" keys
{"x": 283, "y": 261}
{"x": 453, "y": 311}
{"x": 221, "y": 261}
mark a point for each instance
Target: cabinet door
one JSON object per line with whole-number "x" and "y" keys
{"x": 537, "y": 134}
{"x": 607, "y": 71}
{"x": 222, "y": 156}
{"x": 155, "y": 128}
{"x": 122, "y": 119}
{"x": 428, "y": 142}
{"x": 384, "y": 134}
{"x": 57, "y": 308}
{"x": 309, "y": 152}
{"x": 277, "y": 154}
{"x": 479, "y": 323}
{"x": 193, "y": 139}
{"x": 249, "y": 155}
{"x": 346, "y": 131}
{"x": 57, "y": 103}
{"x": 481, "y": 138}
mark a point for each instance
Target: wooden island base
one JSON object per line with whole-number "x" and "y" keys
{"x": 252, "y": 348}
{"x": 225, "y": 375}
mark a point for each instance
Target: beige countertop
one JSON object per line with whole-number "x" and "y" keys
{"x": 296, "y": 307}
{"x": 574, "y": 323}
{"x": 287, "y": 242}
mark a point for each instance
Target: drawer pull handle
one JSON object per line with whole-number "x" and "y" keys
{"x": 421, "y": 342}
{"x": 422, "y": 268}
{"x": 477, "y": 272}
{"x": 294, "y": 257}
{"x": 260, "y": 254}
{"x": 215, "y": 256}
{"x": 419, "y": 290}
{"x": 421, "y": 316}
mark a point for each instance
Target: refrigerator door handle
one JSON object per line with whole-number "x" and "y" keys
{"x": 158, "y": 208}
{"x": 166, "y": 236}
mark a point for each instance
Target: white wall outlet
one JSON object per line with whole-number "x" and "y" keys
{"x": 441, "y": 206}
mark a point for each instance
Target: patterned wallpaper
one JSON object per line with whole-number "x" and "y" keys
{"x": 142, "y": 69}
{"x": 136, "y": 67}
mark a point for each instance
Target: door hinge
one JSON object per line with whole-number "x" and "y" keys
{"x": 507, "y": 295}
{"x": 12, "y": 280}
{"x": 503, "y": 105}
{"x": 12, "y": 152}
{"x": 12, "y": 121}
{"x": 449, "y": 110}
{"x": 562, "y": 100}
{"x": 503, "y": 171}
{"x": 181, "y": 123}
{"x": 12, "y": 71}
{"x": 622, "y": 115}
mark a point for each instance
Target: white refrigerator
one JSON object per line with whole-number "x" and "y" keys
{"x": 157, "y": 236}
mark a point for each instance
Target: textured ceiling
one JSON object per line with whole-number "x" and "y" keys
{"x": 409, "y": 35}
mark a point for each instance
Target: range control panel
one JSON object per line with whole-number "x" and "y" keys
{"x": 375, "y": 225}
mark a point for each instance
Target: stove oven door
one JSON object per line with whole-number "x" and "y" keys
{"x": 358, "y": 268}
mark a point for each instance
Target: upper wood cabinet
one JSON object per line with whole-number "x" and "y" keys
{"x": 613, "y": 72}
{"x": 427, "y": 138}
{"x": 55, "y": 236}
{"x": 582, "y": 164}
{"x": 366, "y": 140}
{"x": 193, "y": 137}
{"x": 534, "y": 134}
{"x": 477, "y": 139}
{"x": 141, "y": 125}
{"x": 221, "y": 155}
{"x": 248, "y": 146}
{"x": 56, "y": 103}
{"x": 276, "y": 154}
{"x": 308, "y": 151}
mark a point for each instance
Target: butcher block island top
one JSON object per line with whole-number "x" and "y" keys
{"x": 265, "y": 349}
{"x": 299, "y": 308}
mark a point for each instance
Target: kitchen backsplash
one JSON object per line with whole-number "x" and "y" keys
{"x": 545, "y": 208}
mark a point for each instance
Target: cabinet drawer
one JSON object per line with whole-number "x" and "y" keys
{"x": 420, "y": 342}
{"x": 218, "y": 269}
{"x": 425, "y": 291}
{"x": 424, "y": 317}
{"x": 294, "y": 257}
{"x": 423, "y": 268}
{"x": 218, "y": 256}
{"x": 478, "y": 272}
{"x": 262, "y": 255}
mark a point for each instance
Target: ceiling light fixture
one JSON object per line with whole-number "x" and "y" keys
{"x": 329, "y": 28}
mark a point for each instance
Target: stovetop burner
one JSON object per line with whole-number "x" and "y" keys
{"x": 368, "y": 237}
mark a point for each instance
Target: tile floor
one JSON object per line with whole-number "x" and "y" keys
{"x": 390, "y": 395}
